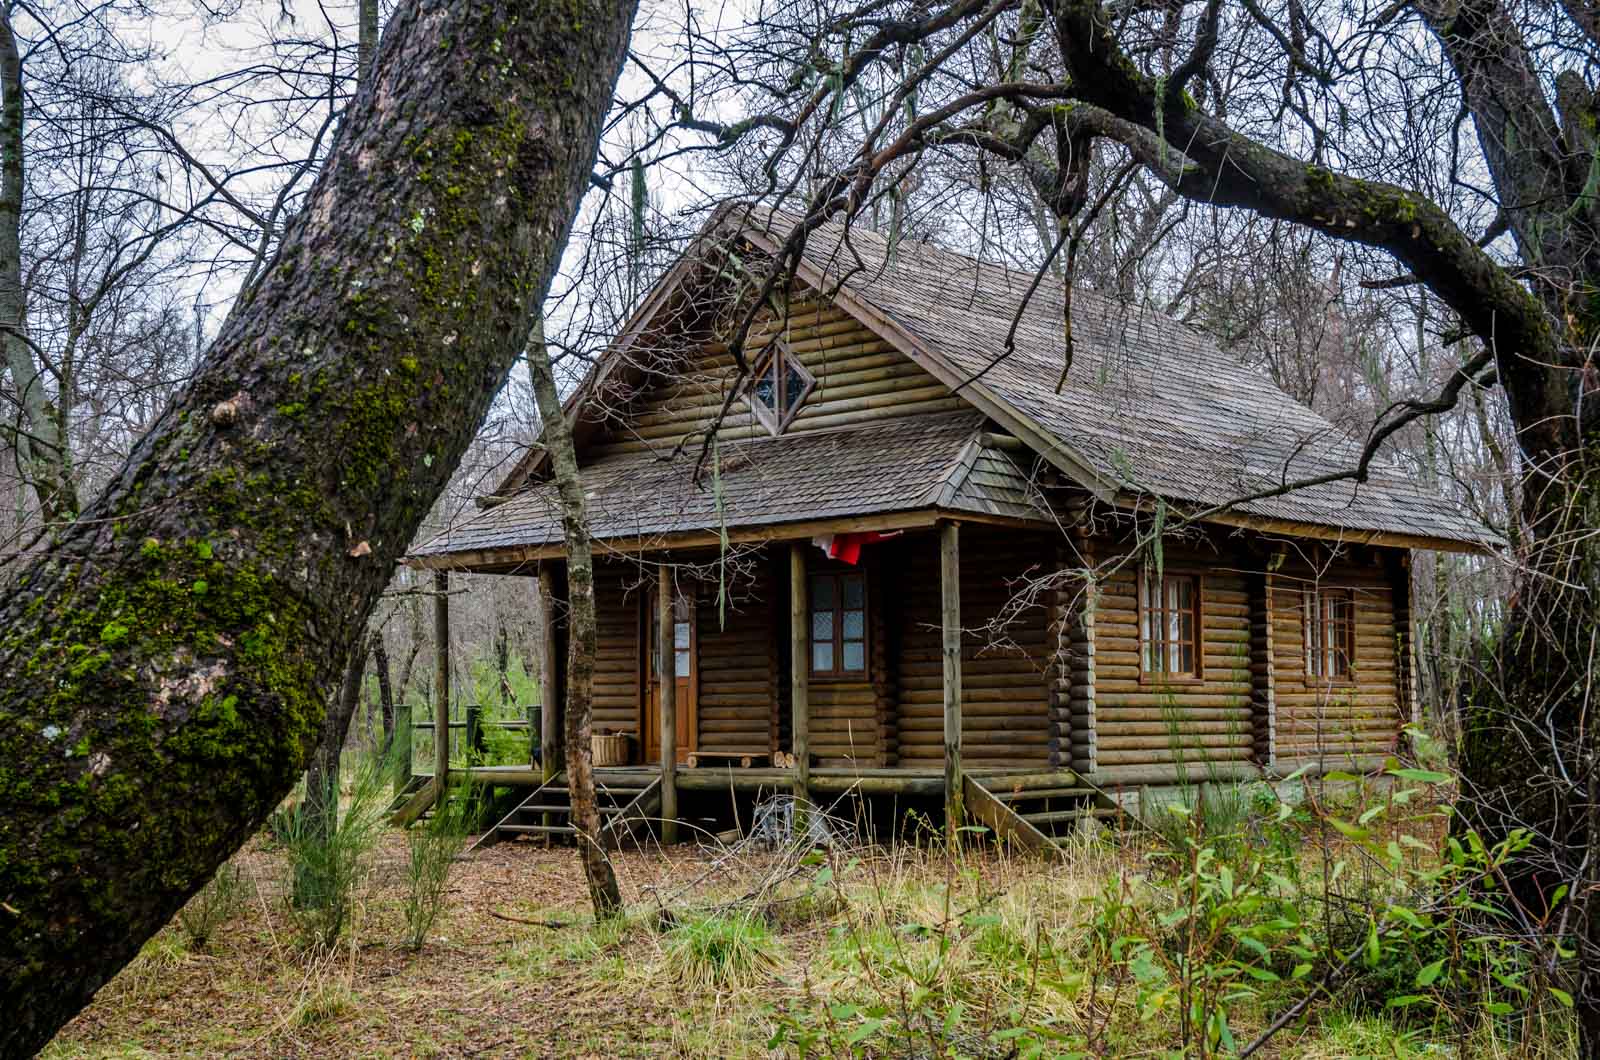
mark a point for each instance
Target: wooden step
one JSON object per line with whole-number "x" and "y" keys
{"x": 1043, "y": 793}
{"x": 1099, "y": 812}
{"x": 538, "y": 829}
{"x": 564, "y": 811}
{"x": 1039, "y": 820}
{"x": 630, "y": 790}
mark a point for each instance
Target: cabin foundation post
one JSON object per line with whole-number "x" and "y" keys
{"x": 799, "y": 672}
{"x": 550, "y": 677}
{"x": 441, "y": 680}
{"x": 667, "y": 693}
{"x": 950, "y": 622}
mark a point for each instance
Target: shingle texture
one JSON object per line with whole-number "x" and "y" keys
{"x": 903, "y": 465}
{"x": 1149, "y": 403}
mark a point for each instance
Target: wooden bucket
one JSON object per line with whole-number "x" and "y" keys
{"x": 610, "y": 750}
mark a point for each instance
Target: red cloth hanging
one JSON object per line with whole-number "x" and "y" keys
{"x": 846, "y": 548}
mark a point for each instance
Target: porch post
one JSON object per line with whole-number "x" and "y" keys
{"x": 441, "y": 679}
{"x": 799, "y": 671}
{"x": 550, "y": 685}
{"x": 667, "y": 684}
{"x": 950, "y": 621}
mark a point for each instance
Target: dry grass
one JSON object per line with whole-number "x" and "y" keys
{"x": 913, "y": 934}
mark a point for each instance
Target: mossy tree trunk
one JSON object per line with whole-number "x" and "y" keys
{"x": 164, "y": 666}
{"x": 581, "y": 631}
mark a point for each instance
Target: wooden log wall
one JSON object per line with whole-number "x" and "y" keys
{"x": 859, "y": 379}
{"x": 1072, "y": 694}
{"x": 845, "y": 724}
{"x": 1005, "y": 692}
{"x": 738, "y": 676}
{"x": 1263, "y": 675}
{"x": 1319, "y": 719}
{"x": 884, "y": 655}
{"x": 1175, "y": 725}
{"x": 1409, "y": 705}
{"x": 619, "y": 593}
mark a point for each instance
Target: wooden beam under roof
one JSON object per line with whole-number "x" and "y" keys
{"x": 512, "y": 559}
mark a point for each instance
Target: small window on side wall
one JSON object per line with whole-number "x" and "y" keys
{"x": 1169, "y": 626}
{"x": 838, "y": 625}
{"x": 1330, "y": 633}
{"x": 778, "y": 387}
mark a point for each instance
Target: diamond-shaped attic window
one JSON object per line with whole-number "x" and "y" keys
{"x": 779, "y": 385}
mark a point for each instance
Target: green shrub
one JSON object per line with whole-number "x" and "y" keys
{"x": 328, "y": 864}
{"x": 433, "y": 847}
{"x": 213, "y": 906}
{"x": 719, "y": 950}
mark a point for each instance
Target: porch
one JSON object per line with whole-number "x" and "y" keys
{"x": 897, "y": 780}
{"x": 827, "y": 677}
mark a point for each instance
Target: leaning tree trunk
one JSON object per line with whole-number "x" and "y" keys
{"x": 557, "y": 438}
{"x": 164, "y": 667}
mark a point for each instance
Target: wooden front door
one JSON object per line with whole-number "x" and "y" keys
{"x": 686, "y": 666}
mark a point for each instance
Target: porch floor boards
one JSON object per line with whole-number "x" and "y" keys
{"x": 832, "y": 780}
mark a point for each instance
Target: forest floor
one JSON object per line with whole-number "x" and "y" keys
{"x": 825, "y": 956}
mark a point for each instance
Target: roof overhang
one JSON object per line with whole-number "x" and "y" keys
{"x": 1346, "y": 536}
{"x": 1340, "y": 535}
{"x": 509, "y": 559}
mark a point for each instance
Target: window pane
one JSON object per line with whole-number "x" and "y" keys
{"x": 822, "y": 594}
{"x": 822, "y": 656}
{"x": 1185, "y": 658}
{"x": 680, "y": 664}
{"x": 765, "y": 388}
{"x": 855, "y": 591}
{"x": 855, "y": 625}
{"x": 855, "y": 656}
{"x": 680, "y": 635}
{"x": 794, "y": 386}
{"x": 822, "y": 625}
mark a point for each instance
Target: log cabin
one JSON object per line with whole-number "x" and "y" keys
{"x": 906, "y": 539}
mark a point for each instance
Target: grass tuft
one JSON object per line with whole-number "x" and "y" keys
{"x": 720, "y": 950}
{"x": 215, "y": 904}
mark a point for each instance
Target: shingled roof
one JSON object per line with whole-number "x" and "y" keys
{"x": 1150, "y": 408}
{"x": 916, "y": 464}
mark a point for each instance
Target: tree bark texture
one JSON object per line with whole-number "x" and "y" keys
{"x": 581, "y": 631}
{"x": 164, "y": 667}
